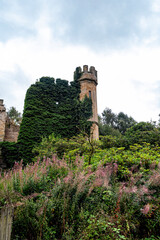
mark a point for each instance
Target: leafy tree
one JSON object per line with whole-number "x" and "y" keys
{"x": 143, "y": 132}
{"x": 124, "y": 122}
{"x": 108, "y": 130}
{"x": 109, "y": 117}
{"x": 14, "y": 116}
{"x": 113, "y": 124}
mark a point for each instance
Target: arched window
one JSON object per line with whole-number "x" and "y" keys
{"x": 89, "y": 94}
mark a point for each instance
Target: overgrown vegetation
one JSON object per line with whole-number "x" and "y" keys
{"x": 115, "y": 197}
{"x": 69, "y": 186}
{"x": 10, "y": 153}
{"x": 52, "y": 106}
{"x": 85, "y": 189}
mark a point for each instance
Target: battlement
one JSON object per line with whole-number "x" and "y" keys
{"x": 88, "y": 74}
{"x": 91, "y": 70}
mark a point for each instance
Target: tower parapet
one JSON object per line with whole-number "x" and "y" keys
{"x": 88, "y": 83}
{"x": 90, "y": 74}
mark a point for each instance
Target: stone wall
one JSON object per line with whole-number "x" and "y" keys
{"x": 11, "y": 131}
{"x": 8, "y": 130}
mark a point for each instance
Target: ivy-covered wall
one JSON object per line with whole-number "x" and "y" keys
{"x": 52, "y": 106}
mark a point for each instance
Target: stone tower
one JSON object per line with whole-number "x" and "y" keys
{"x": 88, "y": 83}
{"x": 3, "y": 116}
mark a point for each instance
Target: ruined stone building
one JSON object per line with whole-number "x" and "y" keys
{"x": 8, "y": 130}
{"x": 88, "y": 83}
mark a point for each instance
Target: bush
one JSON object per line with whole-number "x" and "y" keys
{"x": 143, "y": 132}
{"x": 10, "y": 153}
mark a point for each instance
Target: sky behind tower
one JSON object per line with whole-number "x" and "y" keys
{"x": 51, "y": 38}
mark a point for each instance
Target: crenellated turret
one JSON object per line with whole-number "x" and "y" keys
{"x": 88, "y": 82}
{"x": 90, "y": 75}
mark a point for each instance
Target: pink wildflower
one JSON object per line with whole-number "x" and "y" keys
{"x": 146, "y": 208}
{"x": 115, "y": 167}
{"x": 90, "y": 190}
{"x": 100, "y": 172}
{"x": 68, "y": 178}
{"x": 155, "y": 178}
{"x": 131, "y": 189}
{"x": 122, "y": 188}
{"x": 144, "y": 189}
{"x": 98, "y": 182}
{"x": 159, "y": 165}
{"x": 106, "y": 182}
{"x": 44, "y": 170}
{"x": 47, "y": 161}
{"x": 152, "y": 166}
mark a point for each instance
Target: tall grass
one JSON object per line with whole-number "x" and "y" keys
{"x": 20, "y": 181}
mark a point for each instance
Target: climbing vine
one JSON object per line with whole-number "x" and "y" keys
{"x": 52, "y": 106}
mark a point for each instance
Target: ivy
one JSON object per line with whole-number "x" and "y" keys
{"x": 52, "y": 106}
{"x": 10, "y": 153}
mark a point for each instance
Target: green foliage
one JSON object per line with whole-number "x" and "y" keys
{"x": 124, "y": 122}
{"x": 138, "y": 133}
{"x": 110, "y": 141}
{"x": 143, "y": 132}
{"x": 77, "y": 145}
{"x": 137, "y": 159}
{"x": 114, "y": 124}
{"x": 106, "y": 129}
{"x": 116, "y": 197}
{"x": 52, "y": 106}
{"x": 10, "y": 153}
{"x": 107, "y": 189}
{"x": 14, "y": 116}
{"x": 101, "y": 227}
{"x": 109, "y": 117}
{"x": 31, "y": 220}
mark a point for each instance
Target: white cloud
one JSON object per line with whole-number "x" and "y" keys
{"x": 127, "y": 78}
{"x": 156, "y": 6}
{"x": 129, "y": 84}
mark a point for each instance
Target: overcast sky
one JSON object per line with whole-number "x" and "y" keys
{"x": 121, "y": 38}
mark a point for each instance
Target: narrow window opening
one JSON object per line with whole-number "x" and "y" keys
{"x": 89, "y": 94}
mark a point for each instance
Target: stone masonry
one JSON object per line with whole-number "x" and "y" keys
{"x": 3, "y": 117}
{"x": 88, "y": 83}
{"x": 8, "y": 130}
